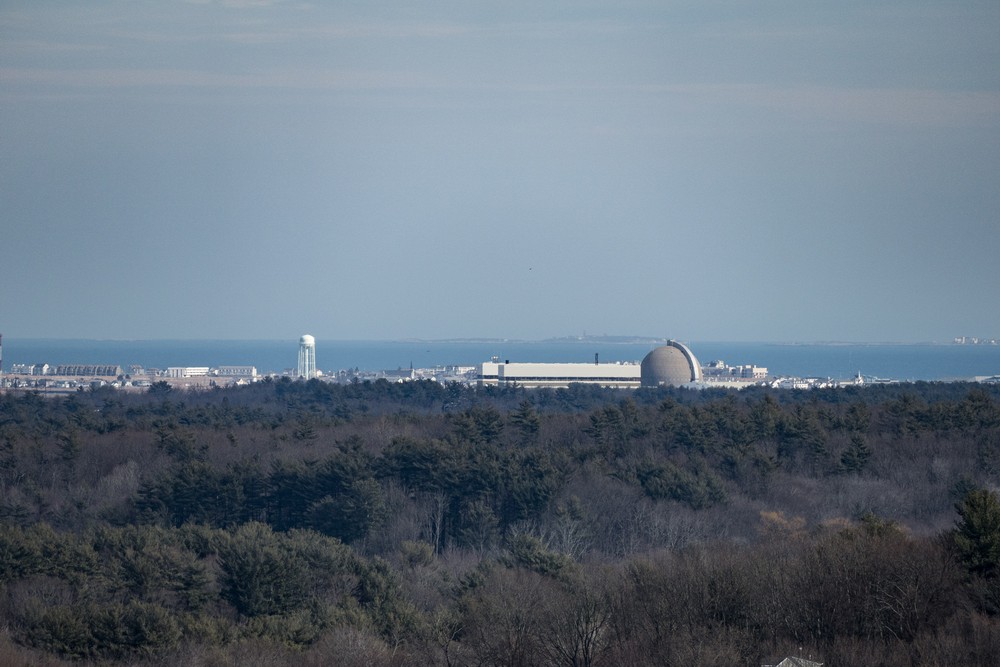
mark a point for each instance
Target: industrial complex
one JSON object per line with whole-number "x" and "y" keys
{"x": 672, "y": 364}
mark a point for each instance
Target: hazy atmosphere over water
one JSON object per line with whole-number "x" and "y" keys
{"x": 702, "y": 170}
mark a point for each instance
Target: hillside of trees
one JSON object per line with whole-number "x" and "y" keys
{"x": 420, "y": 524}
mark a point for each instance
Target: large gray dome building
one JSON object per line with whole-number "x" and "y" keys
{"x": 671, "y": 365}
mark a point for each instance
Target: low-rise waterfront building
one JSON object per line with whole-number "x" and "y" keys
{"x": 29, "y": 369}
{"x": 236, "y": 371}
{"x": 720, "y": 370}
{"x": 88, "y": 370}
{"x": 177, "y": 372}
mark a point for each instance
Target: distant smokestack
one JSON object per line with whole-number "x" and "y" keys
{"x": 595, "y": 357}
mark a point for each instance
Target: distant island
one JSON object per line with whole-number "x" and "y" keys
{"x": 619, "y": 340}
{"x": 622, "y": 340}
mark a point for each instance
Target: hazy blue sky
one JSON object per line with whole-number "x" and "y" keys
{"x": 787, "y": 170}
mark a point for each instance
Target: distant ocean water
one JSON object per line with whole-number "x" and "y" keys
{"x": 840, "y": 361}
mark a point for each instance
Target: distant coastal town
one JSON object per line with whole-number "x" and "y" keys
{"x": 972, "y": 340}
{"x": 670, "y": 363}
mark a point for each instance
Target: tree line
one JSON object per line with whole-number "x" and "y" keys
{"x": 418, "y": 523}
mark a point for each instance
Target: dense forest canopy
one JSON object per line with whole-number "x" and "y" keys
{"x": 418, "y": 523}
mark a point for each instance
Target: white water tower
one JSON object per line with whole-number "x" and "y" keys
{"x": 307, "y": 357}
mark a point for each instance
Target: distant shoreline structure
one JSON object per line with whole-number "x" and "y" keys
{"x": 972, "y": 340}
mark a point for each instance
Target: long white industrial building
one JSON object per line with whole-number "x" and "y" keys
{"x": 621, "y": 375}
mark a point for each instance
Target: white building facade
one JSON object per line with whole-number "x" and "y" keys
{"x": 617, "y": 375}
{"x": 177, "y": 372}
